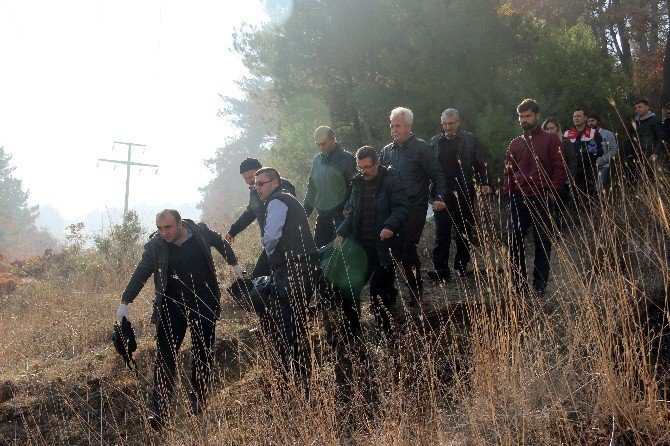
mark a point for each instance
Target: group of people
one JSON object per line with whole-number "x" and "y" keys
{"x": 374, "y": 203}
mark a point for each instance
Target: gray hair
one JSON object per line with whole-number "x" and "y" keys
{"x": 405, "y": 112}
{"x": 451, "y": 112}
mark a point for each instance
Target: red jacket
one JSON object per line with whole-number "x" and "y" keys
{"x": 532, "y": 173}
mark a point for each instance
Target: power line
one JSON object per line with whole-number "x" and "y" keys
{"x": 128, "y": 163}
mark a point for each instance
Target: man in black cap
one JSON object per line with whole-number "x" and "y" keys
{"x": 255, "y": 211}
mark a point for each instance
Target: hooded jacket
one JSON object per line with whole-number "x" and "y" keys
{"x": 155, "y": 261}
{"x": 649, "y": 133}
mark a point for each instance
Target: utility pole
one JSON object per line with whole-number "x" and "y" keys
{"x": 128, "y": 163}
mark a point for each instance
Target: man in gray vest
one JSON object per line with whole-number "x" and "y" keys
{"x": 294, "y": 261}
{"x": 255, "y": 211}
{"x": 463, "y": 161}
{"x": 329, "y": 185}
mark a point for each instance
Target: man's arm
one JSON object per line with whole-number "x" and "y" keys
{"x": 433, "y": 169}
{"x": 399, "y": 207}
{"x": 242, "y": 222}
{"x": 144, "y": 269}
{"x": 558, "y": 171}
{"x": 310, "y": 195}
{"x": 219, "y": 243}
{"x": 659, "y": 135}
{"x": 274, "y": 225}
{"x": 609, "y": 148}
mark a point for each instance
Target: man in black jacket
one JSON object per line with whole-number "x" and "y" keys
{"x": 329, "y": 185}
{"x": 294, "y": 261}
{"x": 187, "y": 294}
{"x": 255, "y": 211}
{"x": 646, "y": 139}
{"x": 379, "y": 210}
{"x": 417, "y": 164}
{"x": 463, "y": 161}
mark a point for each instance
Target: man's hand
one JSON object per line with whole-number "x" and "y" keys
{"x": 345, "y": 212}
{"x": 653, "y": 157}
{"x": 385, "y": 234}
{"x": 486, "y": 190}
{"x": 338, "y": 241}
{"x": 239, "y": 271}
{"x": 438, "y": 206}
{"x": 122, "y": 312}
{"x": 229, "y": 238}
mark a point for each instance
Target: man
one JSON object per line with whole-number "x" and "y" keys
{"x": 417, "y": 164}
{"x": 329, "y": 185}
{"x": 463, "y": 161}
{"x": 255, "y": 211}
{"x": 534, "y": 172}
{"x": 379, "y": 209}
{"x": 294, "y": 261}
{"x": 187, "y": 294}
{"x": 609, "y": 151}
{"x": 588, "y": 145}
{"x": 647, "y": 135}
{"x": 666, "y": 124}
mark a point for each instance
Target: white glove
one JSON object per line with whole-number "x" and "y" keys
{"x": 122, "y": 312}
{"x": 239, "y": 271}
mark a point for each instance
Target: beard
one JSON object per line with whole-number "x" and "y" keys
{"x": 526, "y": 126}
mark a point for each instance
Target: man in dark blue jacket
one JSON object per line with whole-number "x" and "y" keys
{"x": 329, "y": 185}
{"x": 378, "y": 212}
{"x": 187, "y": 295}
{"x": 463, "y": 161}
{"x": 255, "y": 211}
{"x": 417, "y": 164}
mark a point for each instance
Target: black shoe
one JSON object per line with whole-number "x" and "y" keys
{"x": 441, "y": 276}
{"x": 461, "y": 272}
{"x": 195, "y": 403}
{"x": 156, "y": 421}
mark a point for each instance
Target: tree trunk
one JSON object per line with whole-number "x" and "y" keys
{"x": 666, "y": 64}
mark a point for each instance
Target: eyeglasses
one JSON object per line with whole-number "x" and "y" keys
{"x": 449, "y": 123}
{"x": 261, "y": 183}
{"x": 362, "y": 168}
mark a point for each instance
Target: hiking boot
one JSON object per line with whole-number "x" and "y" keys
{"x": 441, "y": 276}
{"x": 462, "y": 272}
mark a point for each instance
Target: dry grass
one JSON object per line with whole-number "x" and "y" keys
{"x": 478, "y": 363}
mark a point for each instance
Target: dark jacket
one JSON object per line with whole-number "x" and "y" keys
{"x": 569, "y": 156}
{"x": 296, "y": 240}
{"x": 534, "y": 172}
{"x": 471, "y": 162}
{"x": 329, "y": 181}
{"x": 256, "y": 210}
{"x": 391, "y": 211}
{"x": 416, "y": 161}
{"x": 155, "y": 261}
{"x": 648, "y": 134}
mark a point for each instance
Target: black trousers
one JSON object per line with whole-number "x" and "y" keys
{"x": 382, "y": 291}
{"x": 524, "y": 212}
{"x": 459, "y": 215}
{"x": 411, "y": 262}
{"x": 327, "y": 223}
{"x": 285, "y": 318}
{"x": 262, "y": 267}
{"x": 198, "y": 314}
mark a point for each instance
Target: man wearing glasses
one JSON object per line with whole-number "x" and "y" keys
{"x": 294, "y": 261}
{"x": 329, "y": 185}
{"x": 255, "y": 211}
{"x": 379, "y": 210}
{"x": 463, "y": 161}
